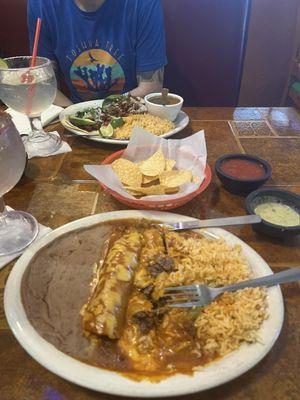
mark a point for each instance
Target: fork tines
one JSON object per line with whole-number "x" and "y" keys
{"x": 185, "y": 289}
{"x": 182, "y": 296}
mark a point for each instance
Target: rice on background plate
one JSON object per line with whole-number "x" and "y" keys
{"x": 151, "y": 123}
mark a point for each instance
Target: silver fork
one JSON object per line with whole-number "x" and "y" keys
{"x": 202, "y": 295}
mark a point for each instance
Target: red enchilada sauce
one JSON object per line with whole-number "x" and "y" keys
{"x": 241, "y": 168}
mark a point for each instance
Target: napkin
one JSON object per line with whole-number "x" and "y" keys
{"x": 22, "y": 123}
{"x": 190, "y": 153}
{"x": 64, "y": 148}
{"x": 4, "y": 260}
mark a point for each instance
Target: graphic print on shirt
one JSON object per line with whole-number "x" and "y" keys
{"x": 96, "y": 74}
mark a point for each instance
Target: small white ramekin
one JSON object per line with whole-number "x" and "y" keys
{"x": 169, "y": 112}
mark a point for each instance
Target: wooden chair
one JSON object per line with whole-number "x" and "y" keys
{"x": 13, "y": 33}
{"x": 291, "y": 97}
{"x": 205, "y": 47}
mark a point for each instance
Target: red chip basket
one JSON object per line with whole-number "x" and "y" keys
{"x": 155, "y": 204}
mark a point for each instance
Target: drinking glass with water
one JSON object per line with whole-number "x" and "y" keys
{"x": 17, "y": 228}
{"x": 30, "y": 90}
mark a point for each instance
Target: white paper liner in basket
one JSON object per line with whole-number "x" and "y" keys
{"x": 190, "y": 153}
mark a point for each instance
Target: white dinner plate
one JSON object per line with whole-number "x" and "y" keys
{"x": 180, "y": 123}
{"x": 214, "y": 374}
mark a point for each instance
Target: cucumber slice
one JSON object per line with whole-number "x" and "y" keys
{"x": 81, "y": 121}
{"x": 106, "y": 130}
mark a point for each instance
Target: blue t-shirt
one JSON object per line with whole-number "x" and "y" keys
{"x": 100, "y": 52}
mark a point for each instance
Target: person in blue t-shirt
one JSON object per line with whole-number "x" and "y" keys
{"x": 102, "y": 47}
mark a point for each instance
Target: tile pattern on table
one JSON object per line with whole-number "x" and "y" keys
{"x": 3, "y": 322}
{"x": 56, "y": 205}
{"x": 212, "y": 203}
{"x": 44, "y": 168}
{"x": 223, "y": 113}
{"x": 251, "y": 128}
{"x": 84, "y": 152}
{"x": 284, "y": 120}
{"x": 219, "y": 139}
{"x": 19, "y": 197}
{"x": 3, "y": 278}
{"x": 293, "y": 188}
{"x": 282, "y": 153}
{"x": 106, "y": 203}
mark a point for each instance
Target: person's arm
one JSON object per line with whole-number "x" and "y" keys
{"x": 148, "y": 82}
{"x": 150, "y": 49}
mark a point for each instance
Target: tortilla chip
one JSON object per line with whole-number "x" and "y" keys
{"x": 134, "y": 193}
{"x": 128, "y": 172}
{"x": 154, "y": 165}
{"x": 172, "y": 190}
{"x": 154, "y": 176}
{"x": 150, "y": 190}
{"x": 169, "y": 164}
{"x": 175, "y": 178}
{"x": 149, "y": 179}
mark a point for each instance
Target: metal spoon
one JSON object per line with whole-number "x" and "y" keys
{"x": 164, "y": 95}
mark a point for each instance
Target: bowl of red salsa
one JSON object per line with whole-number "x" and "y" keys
{"x": 242, "y": 173}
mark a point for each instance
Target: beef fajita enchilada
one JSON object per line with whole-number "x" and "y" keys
{"x": 105, "y": 312}
{"x": 114, "y": 316}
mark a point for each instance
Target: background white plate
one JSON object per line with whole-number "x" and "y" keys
{"x": 180, "y": 122}
{"x": 106, "y": 381}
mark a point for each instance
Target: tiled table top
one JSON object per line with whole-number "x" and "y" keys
{"x": 57, "y": 190}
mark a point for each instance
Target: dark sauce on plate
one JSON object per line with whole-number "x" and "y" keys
{"x": 169, "y": 100}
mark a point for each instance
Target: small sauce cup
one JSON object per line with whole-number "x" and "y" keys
{"x": 274, "y": 195}
{"x": 242, "y": 178}
{"x": 168, "y": 111}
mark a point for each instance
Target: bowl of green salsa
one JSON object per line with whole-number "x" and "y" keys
{"x": 279, "y": 210}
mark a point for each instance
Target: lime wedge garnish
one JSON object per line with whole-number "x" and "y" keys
{"x": 3, "y": 63}
{"x": 106, "y": 130}
{"x": 116, "y": 122}
{"x": 81, "y": 121}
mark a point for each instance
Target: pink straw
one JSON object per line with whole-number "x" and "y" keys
{"x": 29, "y": 78}
{"x": 36, "y": 41}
